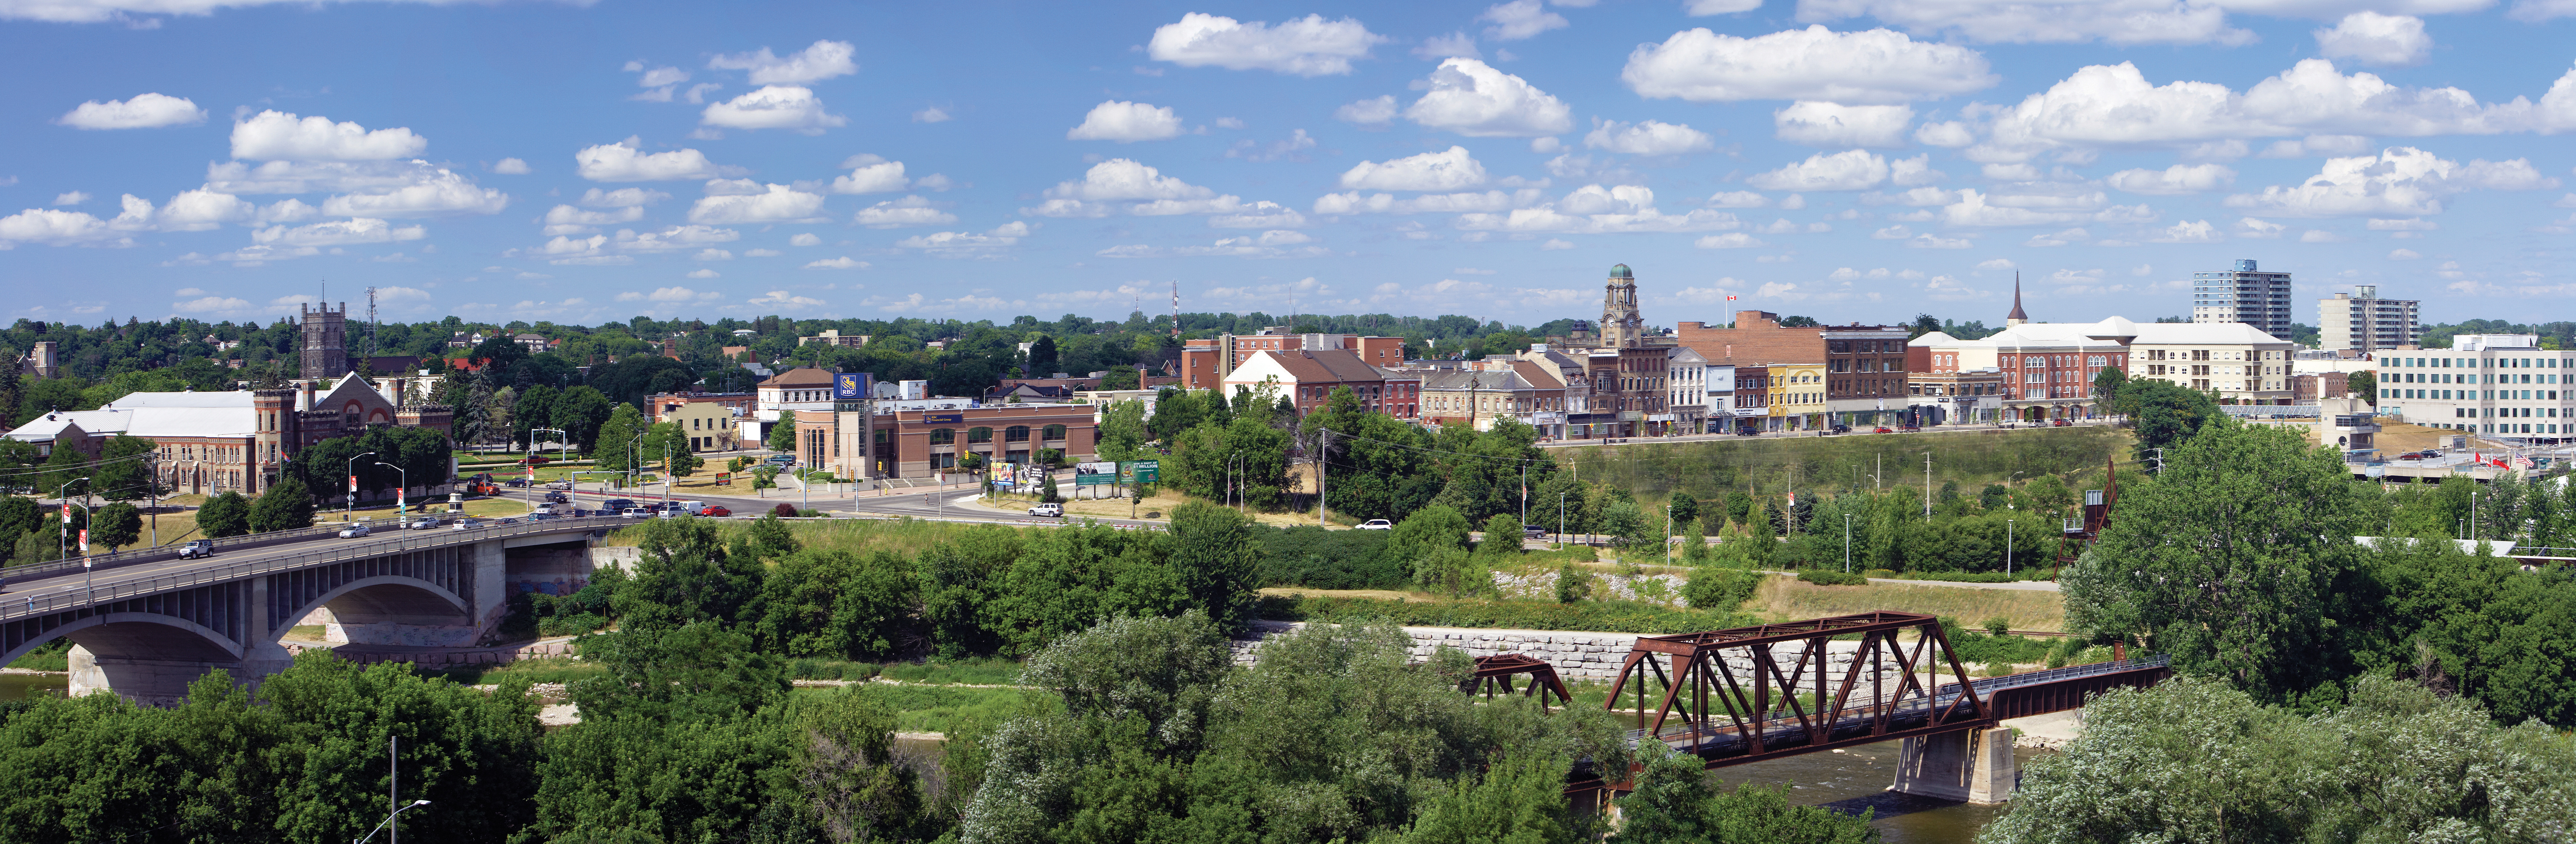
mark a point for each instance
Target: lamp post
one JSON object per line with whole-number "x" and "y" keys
{"x": 1560, "y": 519}
{"x": 352, "y": 508}
{"x": 1847, "y": 517}
{"x": 402, "y": 509}
{"x": 393, "y": 783}
{"x": 2008, "y": 547}
{"x": 62, "y": 494}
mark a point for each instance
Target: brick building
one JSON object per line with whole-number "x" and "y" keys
{"x": 1207, "y": 363}
{"x": 235, "y": 441}
{"x": 1307, "y": 377}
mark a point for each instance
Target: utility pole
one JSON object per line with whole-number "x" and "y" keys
{"x": 1847, "y": 517}
{"x": 2008, "y": 547}
{"x": 1927, "y": 486}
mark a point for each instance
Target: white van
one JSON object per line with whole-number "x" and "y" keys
{"x": 689, "y": 507}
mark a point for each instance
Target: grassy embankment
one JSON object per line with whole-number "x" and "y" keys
{"x": 1773, "y": 467}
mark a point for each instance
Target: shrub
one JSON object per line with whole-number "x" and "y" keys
{"x": 1573, "y": 584}
{"x": 1715, "y": 588}
{"x": 784, "y": 510}
{"x": 1830, "y": 577}
{"x": 1882, "y": 574}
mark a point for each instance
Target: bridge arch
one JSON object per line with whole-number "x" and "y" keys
{"x": 138, "y": 632}
{"x": 386, "y": 599}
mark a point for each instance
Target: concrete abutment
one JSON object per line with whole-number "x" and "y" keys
{"x": 1974, "y": 765}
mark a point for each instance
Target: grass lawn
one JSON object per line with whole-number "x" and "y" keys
{"x": 1788, "y": 598}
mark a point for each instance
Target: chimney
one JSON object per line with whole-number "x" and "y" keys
{"x": 304, "y": 398}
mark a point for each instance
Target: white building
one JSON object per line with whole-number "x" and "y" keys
{"x": 2232, "y": 360}
{"x": 1686, "y": 388}
{"x": 2502, "y": 386}
{"x": 2362, "y": 321}
{"x": 2245, "y": 295}
{"x": 1718, "y": 396}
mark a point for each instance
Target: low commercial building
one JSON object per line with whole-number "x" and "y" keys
{"x": 1957, "y": 397}
{"x": 709, "y": 425}
{"x": 1207, "y": 363}
{"x": 235, "y": 441}
{"x": 1798, "y": 397}
{"x": 923, "y": 443}
{"x": 801, "y": 389}
{"x": 832, "y": 337}
{"x": 1477, "y": 398}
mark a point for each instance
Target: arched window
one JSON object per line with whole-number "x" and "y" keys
{"x": 943, "y": 436}
{"x": 1016, "y": 433}
{"x": 979, "y": 435}
{"x": 1053, "y": 432}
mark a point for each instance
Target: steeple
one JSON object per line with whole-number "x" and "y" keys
{"x": 2016, "y": 317}
{"x": 1621, "y": 325}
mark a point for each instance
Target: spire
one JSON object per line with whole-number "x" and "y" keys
{"x": 2016, "y": 317}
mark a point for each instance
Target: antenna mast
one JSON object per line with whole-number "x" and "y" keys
{"x": 1176, "y": 310}
{"x": 371, "y": 322}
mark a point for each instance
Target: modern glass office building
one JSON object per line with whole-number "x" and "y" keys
{"x": 2245, "y": 295}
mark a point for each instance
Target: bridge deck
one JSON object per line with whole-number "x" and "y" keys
{"x": 2053, "y": 690}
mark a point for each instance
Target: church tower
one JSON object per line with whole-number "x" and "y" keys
{"x": 2016, "y": 317}
{"x": 326, "y": 344}
{"x": 1621, "y": 325}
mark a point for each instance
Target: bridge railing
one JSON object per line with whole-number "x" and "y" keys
{"x": 103, "y": 562}
{"x": 23, "y": 605}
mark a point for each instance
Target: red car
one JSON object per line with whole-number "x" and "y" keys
{"x": 1882, "y": 430}
{"x": 536, "y": 460}
{"x": 714, "y": 510}
{"x": 2060, "y": 423}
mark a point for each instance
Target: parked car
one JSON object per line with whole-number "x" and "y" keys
{"x": 715, "y": 511}
{"x": 536, "y": 460}
{"x": 197, "y": 548}
{"x": 1052, "y": 511}
{"x": 1747, "y": 432}
{"x": 558, "y": 484}
{"x": 2059, "y": 423}
{"x": 425, "y": 523}
{"x": 467, "y": 523}
{"x": 1882, "y": 429}
{"x": 1377, "y": 524}
{"x": 1839, "y": 429}
{"x": 354, "y": 531}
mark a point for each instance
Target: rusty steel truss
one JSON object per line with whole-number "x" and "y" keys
{"x": 1494, "y": 674}
{"x": 1726, "y": 697}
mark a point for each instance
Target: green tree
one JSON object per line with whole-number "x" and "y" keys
{"x": 2365, "y": 384}
{"x": 1427, "y": 530}
{"x": 854, "y": 787}
{"x": 124, "y": 471}
{"x": 2109, "y": 383}
{"x": 2227, "y": 559}
{"x": 17, "y": 517}
{"x": 579, "y": 412}
{"x": 1122, "y": 431}
{"x": 1213, "y": 554}
{"x": 836, "y": 604}
{"x": 1684, "y": 508}
{"x": 1502, "y": 538}
{"x": 782, "y": 436}
{"x": 118, "y": 525}
{"x": 287, "y": 505}
{"x": 2164, "y": 414}
{"x": 1519, "y": 800}
{"x": 619, "y": 449}
{"x": 226, "y": 514}
{"x": 65, "y": 473}
{"x": 1627, "y": 527}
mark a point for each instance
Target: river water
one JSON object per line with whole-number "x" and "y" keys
{"x": 1856, "y": 779}
{"x": 19, "y": 686}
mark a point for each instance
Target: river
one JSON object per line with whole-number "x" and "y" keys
{"x": 1856, "y": 779}
{"x": 19, "y": 686}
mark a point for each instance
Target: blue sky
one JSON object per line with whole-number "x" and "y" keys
{"x": 1847, "y": 159}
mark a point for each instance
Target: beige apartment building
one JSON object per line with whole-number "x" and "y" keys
{"x": 2232, "y": 360}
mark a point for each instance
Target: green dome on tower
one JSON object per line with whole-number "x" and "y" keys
{"x": 1621, "y": 271}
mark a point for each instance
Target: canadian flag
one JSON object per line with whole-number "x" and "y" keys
{"x": 1730, "y": 298}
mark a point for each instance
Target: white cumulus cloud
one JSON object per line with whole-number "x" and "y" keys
{"x": 2399, "y": 182}
{"x": 512, "y": 167}
{"x": 1876, "y": 67}
{"x": 438, "y": 192}
{"x": 823, "y": 60}
{"x": 870, "y": 174}
{"x": 777, "y": 204}
{"x": 1372, "y": 112}
{"x": 2115, "y": 105}
{"x": 276, "y": 135}
{"x": 621, "y": 197}
{"x": 2038, "y": 21}
{"x": 1648, "y": 138}
{"x": 899, "y": 213}
{"x": 337, "y": 233}
{"x": 773, "y": 107}
{"x": 1308, "y": 46}
{"x": 2374, "y": 38}
{"x": 2177, "y": 180}
{"x": 1819, "y": 124}
{"x": 144, "y": 111}
{"x": 1472, "y": 98}
{"x": 1126, "y": 122}
{"x": 1848, "y": 170}
{"x": 1520, "y": 19}
{"x": 624, "y": 162}
{"x": 1450, "y": 169}
{"x": 844, "y": 262}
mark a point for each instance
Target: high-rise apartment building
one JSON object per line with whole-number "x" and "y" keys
{"x": 2259, "y": 299}
{"x": 2362, "y": 321}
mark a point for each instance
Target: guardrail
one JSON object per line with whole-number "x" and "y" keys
{"x": 33, "y": 605}
{"x": 165, "y": 552}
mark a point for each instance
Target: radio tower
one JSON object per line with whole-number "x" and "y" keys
{"x": 1176, "y": 310}
{"x": 371, "y": 322}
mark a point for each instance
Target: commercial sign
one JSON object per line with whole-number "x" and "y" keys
{"x": 929, "y": 418}
{"x": 1095, "y": 474}
{"x": 1140, "y": 471}
{"x": 851, "y": 386}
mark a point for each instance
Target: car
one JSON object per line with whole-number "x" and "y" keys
{"x": 197, "y": 548}
{"x": 1909, "y": 428}
{"x": 715, "y": 511}
{"x": 558, "y": 484}
{"x": 542, "y": 516}
{"x": 635, "y": 513}
{"x": 1882, "y": 429}
{"x": 1377, "y": 524}
{"x": 1747, "y": 432}
{"x": 536, "y": 460}
{"x": 1533, "y": 532}
{"x": 505, "y": 521}
{"x": 558, "y": 498}
{"x": 1052, "y": 511}
{"x": 616, "y": 505}
{"x": 1840, "y": 429}
{"x": 2059, "y": 423}
{"x": 354, "y": 531}
{"x": 425, "y": 523}
{"x": 467, "y": 523}
{"x": 780, "y": 459}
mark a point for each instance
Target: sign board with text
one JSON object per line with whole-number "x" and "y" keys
{"x": 851, "y": 386}
{"x": 1140, "y": 471}
{"x": 1095, "y": 474}
{"x": 928, "y": 418}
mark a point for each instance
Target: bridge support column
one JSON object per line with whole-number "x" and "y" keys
{"x": 1973, "y": 765}
{"x": 164, "y": 682}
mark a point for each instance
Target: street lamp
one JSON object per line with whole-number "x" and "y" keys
{"x": 1560, "y": 519}
{"x": 2008, "y": 547}
{"x": 62, "y": 495}
{"x": 352, "y": 472}
{"x": 380, "y": 826}
{"x": 402, "y": 509}
{"x": 1847, "y": 517}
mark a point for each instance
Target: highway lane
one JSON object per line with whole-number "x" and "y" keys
{"x": 76, "y": 580}
{"x": 950, "y": 503}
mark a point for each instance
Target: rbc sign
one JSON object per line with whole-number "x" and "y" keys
{"x": 850, "y": 386}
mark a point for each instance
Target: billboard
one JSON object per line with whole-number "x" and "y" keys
{"x": 1140, "y": 471}
{"x": 928, "y": 418}
{"x": 852, "y": 386}
{"x": 1095, "y": 474}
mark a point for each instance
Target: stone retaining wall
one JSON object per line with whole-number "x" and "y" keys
{"x": 1577, "y": 655}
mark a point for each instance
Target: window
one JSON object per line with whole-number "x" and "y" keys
{"x": 979, "y": 435}
{"x": 1016, "y": 433}
{"x": 943, "y": 436}
{"x": 1052, "y": 432}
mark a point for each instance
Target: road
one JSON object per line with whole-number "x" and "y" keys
{"x": 75, "y": 580}
{"x": 1776, "y": 435}
{"x": 955, "y": 503}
